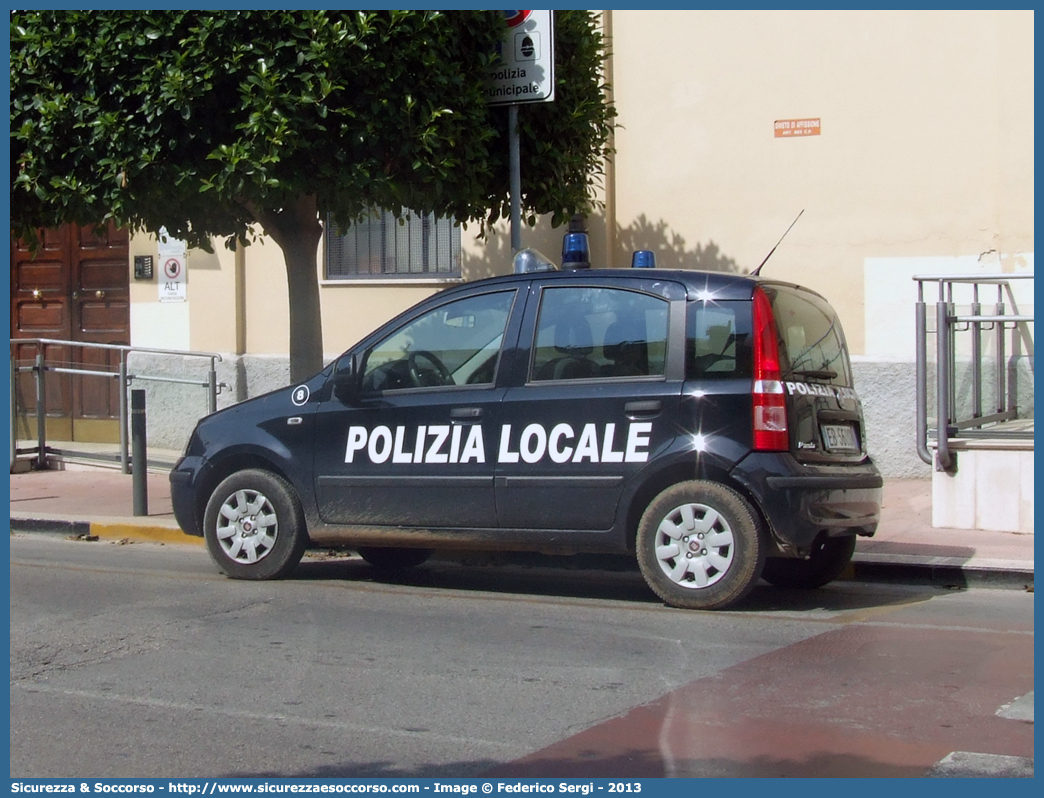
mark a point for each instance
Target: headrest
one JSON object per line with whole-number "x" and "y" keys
{"x": 573, "y": 335}
{"x": 621, "y": 336}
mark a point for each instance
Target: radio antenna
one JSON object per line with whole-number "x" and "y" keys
{"x": 755, "y": 272}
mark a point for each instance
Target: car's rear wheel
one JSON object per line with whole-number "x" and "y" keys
{"x": 391, "y": 559}
{"x": 254, "y": 526}
{"x": 828, "y": 560}
{"x": 699, "y": 546}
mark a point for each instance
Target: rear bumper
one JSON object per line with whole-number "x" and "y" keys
{"x": 800, "y": 502}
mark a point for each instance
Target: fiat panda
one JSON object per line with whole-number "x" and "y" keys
{"x": 705, "y": 423}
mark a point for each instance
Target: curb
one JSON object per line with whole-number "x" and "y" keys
{"x": 892, "y": 568}
{"x": 905, "y": 570}
{"x": 106, "y": 530}
{"x": 51, "y": 525}
{"x": 153, "y": 534}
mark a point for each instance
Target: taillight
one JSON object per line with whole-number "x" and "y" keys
{"x": 770, "y": 404}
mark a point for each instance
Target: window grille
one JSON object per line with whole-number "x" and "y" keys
{"x": 385, "y": 247}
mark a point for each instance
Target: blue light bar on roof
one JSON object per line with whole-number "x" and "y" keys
{"x": 643, "y": 259}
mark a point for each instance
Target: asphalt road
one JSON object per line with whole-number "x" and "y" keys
{"x": 142, "y": 661}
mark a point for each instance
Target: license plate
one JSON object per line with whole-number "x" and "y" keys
{"x": 840, "y": 437}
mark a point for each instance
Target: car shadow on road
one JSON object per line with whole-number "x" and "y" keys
{"x": 560, "y": 578}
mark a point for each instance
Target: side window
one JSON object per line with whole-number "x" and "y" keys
{"x": 716, "y": 340}
{"x": 458, "y": 343}
{"x": 599, "y": 333}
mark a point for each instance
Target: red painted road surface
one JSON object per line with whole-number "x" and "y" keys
{"x": 866, "y": 700}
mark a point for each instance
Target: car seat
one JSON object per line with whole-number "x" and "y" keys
{"x": 715, "y": 350}
{"x": 625, "y": 347}
{"x": 574, "y": 342}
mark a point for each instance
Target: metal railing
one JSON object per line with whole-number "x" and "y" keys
{"x": 948, "y": 323}
{"x": 40, "y": 367}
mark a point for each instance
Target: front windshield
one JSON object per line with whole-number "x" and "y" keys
{"x": 457, "y": 343}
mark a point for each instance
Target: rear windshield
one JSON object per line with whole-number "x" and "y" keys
{"x": 811, "y": 343}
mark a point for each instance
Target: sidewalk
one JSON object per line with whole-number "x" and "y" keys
{"x": 906, "y": 547}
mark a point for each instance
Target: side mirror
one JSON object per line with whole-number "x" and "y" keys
{"x": 345, "y": 379}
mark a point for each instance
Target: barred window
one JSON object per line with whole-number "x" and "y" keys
{"x": 385, "y": 247}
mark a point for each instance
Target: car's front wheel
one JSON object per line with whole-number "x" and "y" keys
{"x": 254, "y": 526}
{"x": 699, "y": 546}
{"x": 828, "y": 560}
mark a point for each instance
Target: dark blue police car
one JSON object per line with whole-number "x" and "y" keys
{"x": 705, "y": 422}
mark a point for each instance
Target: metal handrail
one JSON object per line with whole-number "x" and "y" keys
{"x": 946, "y": 325}
{"x": 39, "y": 367}
{"x": 982, "y": 279}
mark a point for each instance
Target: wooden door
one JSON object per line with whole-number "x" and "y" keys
{"x": 75, "y": 288}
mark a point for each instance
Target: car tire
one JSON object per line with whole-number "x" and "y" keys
{"x": 392, "y": 559}
{"x": 828, "y": 560}
{"x": 699, "y": 546}
{"x": 254, "y": 526}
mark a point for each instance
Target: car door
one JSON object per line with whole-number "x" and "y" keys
{"x": 407, "y": 438}
{"x": 595, "y": 398}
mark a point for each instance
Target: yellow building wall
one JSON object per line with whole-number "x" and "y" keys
{"x": 211, "y": 291}
{"x": 926, "y": 143}
{"x": 925, "y": 150}
{"x": 266, "y": 301}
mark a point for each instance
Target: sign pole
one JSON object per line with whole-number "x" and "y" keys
{"x": 524, "y": 73}
{"x": 516, "y": 179}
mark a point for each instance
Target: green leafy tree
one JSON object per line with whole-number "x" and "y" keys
{"x": 228, "y": 124}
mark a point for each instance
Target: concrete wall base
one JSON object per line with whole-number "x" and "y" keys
{"x": 991, "y": 489}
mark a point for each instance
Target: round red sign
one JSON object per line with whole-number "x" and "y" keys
{"x": 516, "y": 18}
{"x": 172, "y": 269}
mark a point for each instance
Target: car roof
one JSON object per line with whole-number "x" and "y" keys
{"x": 722, "y": 284}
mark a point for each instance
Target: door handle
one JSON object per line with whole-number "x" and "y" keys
{"x": 466, "y": 413}
{"x": 643, "y": 408}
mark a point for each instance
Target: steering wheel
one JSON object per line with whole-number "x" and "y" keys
{"x": 421, "y": 377}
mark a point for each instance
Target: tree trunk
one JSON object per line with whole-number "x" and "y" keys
{"x": 297, "y": 231}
